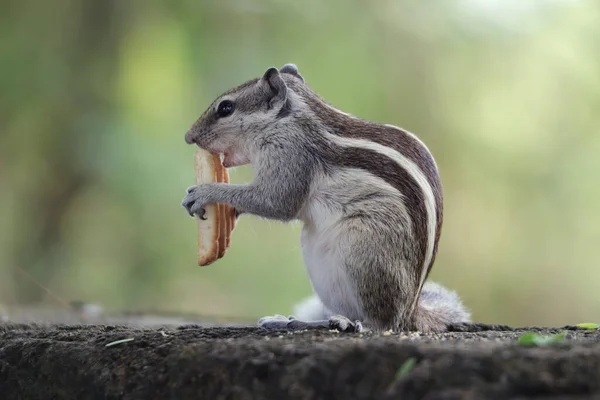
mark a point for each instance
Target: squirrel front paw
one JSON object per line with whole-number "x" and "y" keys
{"x": 194, "y": 202}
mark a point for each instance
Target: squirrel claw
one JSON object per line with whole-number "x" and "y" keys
{"x": 193, "y": 204}
{"x": 343, "y": 324}
{"x": 201, "y": 214}
{"x": 188, "y": 204}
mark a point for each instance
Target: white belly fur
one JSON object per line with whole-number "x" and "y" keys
{"x": 324, "y": 264}
{"x": 322, "y": 250}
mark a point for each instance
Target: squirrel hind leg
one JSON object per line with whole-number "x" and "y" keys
{"x": 439, "y": 307}
{"x": 311, "y": 314}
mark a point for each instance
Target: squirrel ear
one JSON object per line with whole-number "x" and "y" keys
{"x": 291, "y": 69}
{"x": 275, "y": 85}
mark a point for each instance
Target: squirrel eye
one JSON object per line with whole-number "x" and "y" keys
{"x": 225, "y": 108}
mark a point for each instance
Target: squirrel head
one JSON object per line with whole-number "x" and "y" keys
{"x": 236, "y": 117}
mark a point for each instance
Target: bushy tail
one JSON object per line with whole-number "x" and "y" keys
{"x": 311, "y": 309}
{"x": 437, "y": 308}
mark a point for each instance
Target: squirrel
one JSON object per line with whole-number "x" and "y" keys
{"x": 368, "y": 195}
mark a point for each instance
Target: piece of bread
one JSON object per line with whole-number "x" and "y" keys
{"x": 221, "y": 216}
{"x": 214, "y": 231}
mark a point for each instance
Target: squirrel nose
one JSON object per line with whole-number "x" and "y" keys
{"x": 188, "y": 138}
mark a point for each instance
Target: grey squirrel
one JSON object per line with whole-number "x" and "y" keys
{"x": 368, "y": 194}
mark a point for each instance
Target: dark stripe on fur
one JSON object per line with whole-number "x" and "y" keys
{"x": 392, "y": 173}
{"x": 397, "y": 139}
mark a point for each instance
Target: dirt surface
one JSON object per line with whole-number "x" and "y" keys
{"x": 174, "y": 361}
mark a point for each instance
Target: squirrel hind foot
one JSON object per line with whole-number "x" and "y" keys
{"x": 336, "y": 322}
{"x": 290, "y": 323}
{"x": 343, "y": 324}
{"x": 275, "y": 322}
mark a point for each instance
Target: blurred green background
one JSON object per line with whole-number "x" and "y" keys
{"x": 96, "y": 96}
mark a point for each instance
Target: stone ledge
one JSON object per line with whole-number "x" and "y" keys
{"x": 193, "y": 362}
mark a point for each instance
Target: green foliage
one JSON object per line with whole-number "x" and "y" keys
{"x": 588, "y": 326}
{"x": 405, "y": 368}
{"x": 534, "y": 339}
{"x": 95, "y": 99}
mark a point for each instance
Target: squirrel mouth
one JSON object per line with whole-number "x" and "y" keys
{"x": 227, "y": 159}
{"x": 232, "y": 159}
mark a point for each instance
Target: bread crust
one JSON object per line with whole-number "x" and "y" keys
{"x": 221, "y": 216}
{"x": 214, "y": 231}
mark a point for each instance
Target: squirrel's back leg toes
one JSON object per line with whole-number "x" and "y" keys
{"x": 337, "y": 322}
{"x": 279, "y": 322}
{"x": 344, "y": 324}
{"x": 311, "y": 314}
{"x": 275, "y": 322}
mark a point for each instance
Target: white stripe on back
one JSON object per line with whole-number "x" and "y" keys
{"x": 412, "y": 135}
{"x": 415, "y": 172}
